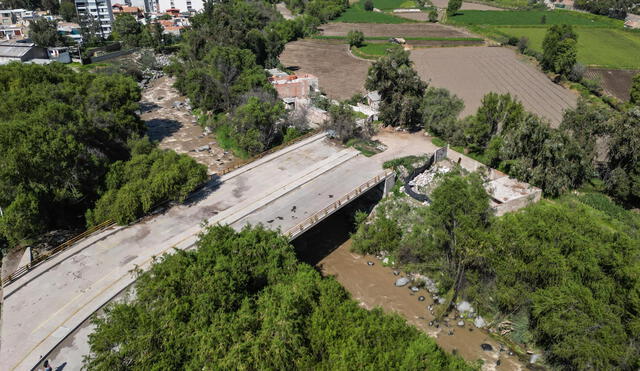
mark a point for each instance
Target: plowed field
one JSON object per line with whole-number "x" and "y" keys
{"x": 472, "y": 72}
{"x": 340, "y": 74}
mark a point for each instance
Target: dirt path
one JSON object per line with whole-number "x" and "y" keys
{"x": 177, "y": 129}
{"x": 286, "y": 13}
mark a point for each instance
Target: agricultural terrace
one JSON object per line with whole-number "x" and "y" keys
{"x": 357, "y": 14}
{"x": 409, "y": 30}
{"x": 465, "y": 5}
{"x": 602, "y": 41}
{"x": 603, "y": 47}
{"x": 472, "y": 72}
{"x": 531, "y": 17}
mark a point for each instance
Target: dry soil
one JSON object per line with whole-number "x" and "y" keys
{"x": 472, "y": 72}
{"x": 394, "y": 30}
{"x": 613, "y": 82}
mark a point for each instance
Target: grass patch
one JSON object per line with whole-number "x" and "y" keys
{"x": 394, "y": 4}
{"x": 438, "y": 142}
{"x": 357, "y": 14}
{"x": 227, "y": 142}
{"x": 408, "y": 162}
{"x": 531, "y": 17}
{"x": 373, "y": 50}
{"x": 366, "y": 147}
{"x": 596, "y": 46}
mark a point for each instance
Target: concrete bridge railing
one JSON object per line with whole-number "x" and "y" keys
{"x": 316, "y": 218}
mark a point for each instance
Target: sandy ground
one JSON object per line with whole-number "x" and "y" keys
{"x": 465, "y": 5}
{"x": 286, "y": 13}
{"x": 394, "y": 30}
{"x": 339, "y": 74}
{"x": 613, "y": 82}
{"x": 177, "y": 129}
{"x": 472, "y": 72}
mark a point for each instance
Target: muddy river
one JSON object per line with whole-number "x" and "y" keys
{"x": 327, "y": 246}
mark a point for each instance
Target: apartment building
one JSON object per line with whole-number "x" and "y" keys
{"x": 183, "y": 6}
{"x": 99, "y": 11}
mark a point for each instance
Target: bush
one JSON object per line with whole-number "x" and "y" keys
{"x": 513, "y": 41}
{"x": 134, "y": 187}
{"x": 523, "y": 44}
{"x": 577, "y": 72}
{"x": 592, "y": 85}
{"x": 356, "y": 38}
{"x": 433, "y": 16}
{"x": 368, "y": 5}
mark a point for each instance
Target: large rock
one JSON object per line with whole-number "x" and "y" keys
{"x": 402, "y": 281}
{"x": 479, "y": 322}
{"x": 465, "y": 307}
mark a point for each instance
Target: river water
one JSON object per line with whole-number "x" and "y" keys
{"x": 327, "y": 246}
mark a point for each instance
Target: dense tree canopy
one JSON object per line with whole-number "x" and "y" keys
{"x": 44, "y": 33}
{"x": 635, "y": 90}
{"x": 400, "y": 88}
{"x": 611, "y": 8}
{"x": 242, "y": 301}
{"x": 58, "y": 131}
{"x": 564, "y": 272}
{"x": 560, "y": 49}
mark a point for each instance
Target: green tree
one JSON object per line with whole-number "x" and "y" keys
{"x": 127, "y": 29}
{"x": 342, "y": 120}
{"x": 559, "y": 49}
{"x": 453, "y": 7}
{"x": 400, "y": 88}
{"x": 356, "y": 38}
{"x": 44, "y": 33}
{"x": 459, "y": 216}
{"x": 497, "y": 113}
{"x": 68, "y": 11}
{"x": 624, "y": 158}
{"x": 241, "y": 300}
{"x": 635, "y": 90}
{"x": 440, "y": 111}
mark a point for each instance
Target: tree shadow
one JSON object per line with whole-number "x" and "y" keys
{"x": 292, "y": 68}
{"x": 158, "y": 129}
{"x": 148, "y": 106}
{"x": 203, "y": 191}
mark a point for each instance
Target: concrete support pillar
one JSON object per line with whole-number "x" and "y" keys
{"x": 389, "y": 182}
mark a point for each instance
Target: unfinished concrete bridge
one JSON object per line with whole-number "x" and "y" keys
{"x": 291, "y": 190}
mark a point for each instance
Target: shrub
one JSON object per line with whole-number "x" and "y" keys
{"x": 368, "y": 5}
{"x": 513, "y": 41}
{"x": 453, "y": 7}
{"x": 523, "y": 44}
{"x": 433, "y": 16}
{"x": 356, "y": 38}
{"x": 577, "y": 72}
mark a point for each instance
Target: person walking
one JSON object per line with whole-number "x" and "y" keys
{"x": 47, "y": 365}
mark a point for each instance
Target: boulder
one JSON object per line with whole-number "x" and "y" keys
{"x": 403, "y": 281}
{"x": 461, "y": 323}
{"x": 486, "y": 347}
{"x": 464, "y": 307}
{"x": 479, "y": 322}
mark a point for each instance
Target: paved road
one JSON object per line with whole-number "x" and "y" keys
{"x": 46, "y": 305}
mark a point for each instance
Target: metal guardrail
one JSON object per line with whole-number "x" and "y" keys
{"x": 269, "y": 151}
{"x": 320, "y": 215}
{"x": 50, "y": 253}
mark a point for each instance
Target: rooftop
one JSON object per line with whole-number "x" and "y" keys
{"x": 507, "y": 189}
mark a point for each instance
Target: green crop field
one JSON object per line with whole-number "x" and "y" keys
{"x": 596, "y": 46}
{"x": 394, "y": 4}
{"x": 357, "y": 14}
{"x": 531, "y": 17}
{"x": 373, "y": 49}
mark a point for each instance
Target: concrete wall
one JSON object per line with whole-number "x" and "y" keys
{"x": 518, "y": 203}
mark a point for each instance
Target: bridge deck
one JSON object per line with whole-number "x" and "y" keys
{"x": 45, "y": 305}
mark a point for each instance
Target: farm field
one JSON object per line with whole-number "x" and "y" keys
{"x": 465, "y": 5}
{"x": 357, "y": 14}
{"x": 604, "y": 47}
{"x": 614, "y": 82}
{"x": 407, "y": 30}
{"x": 340, "y": 74}
{"x": 531, "y": 17}
{"x": 472, "y": 72}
